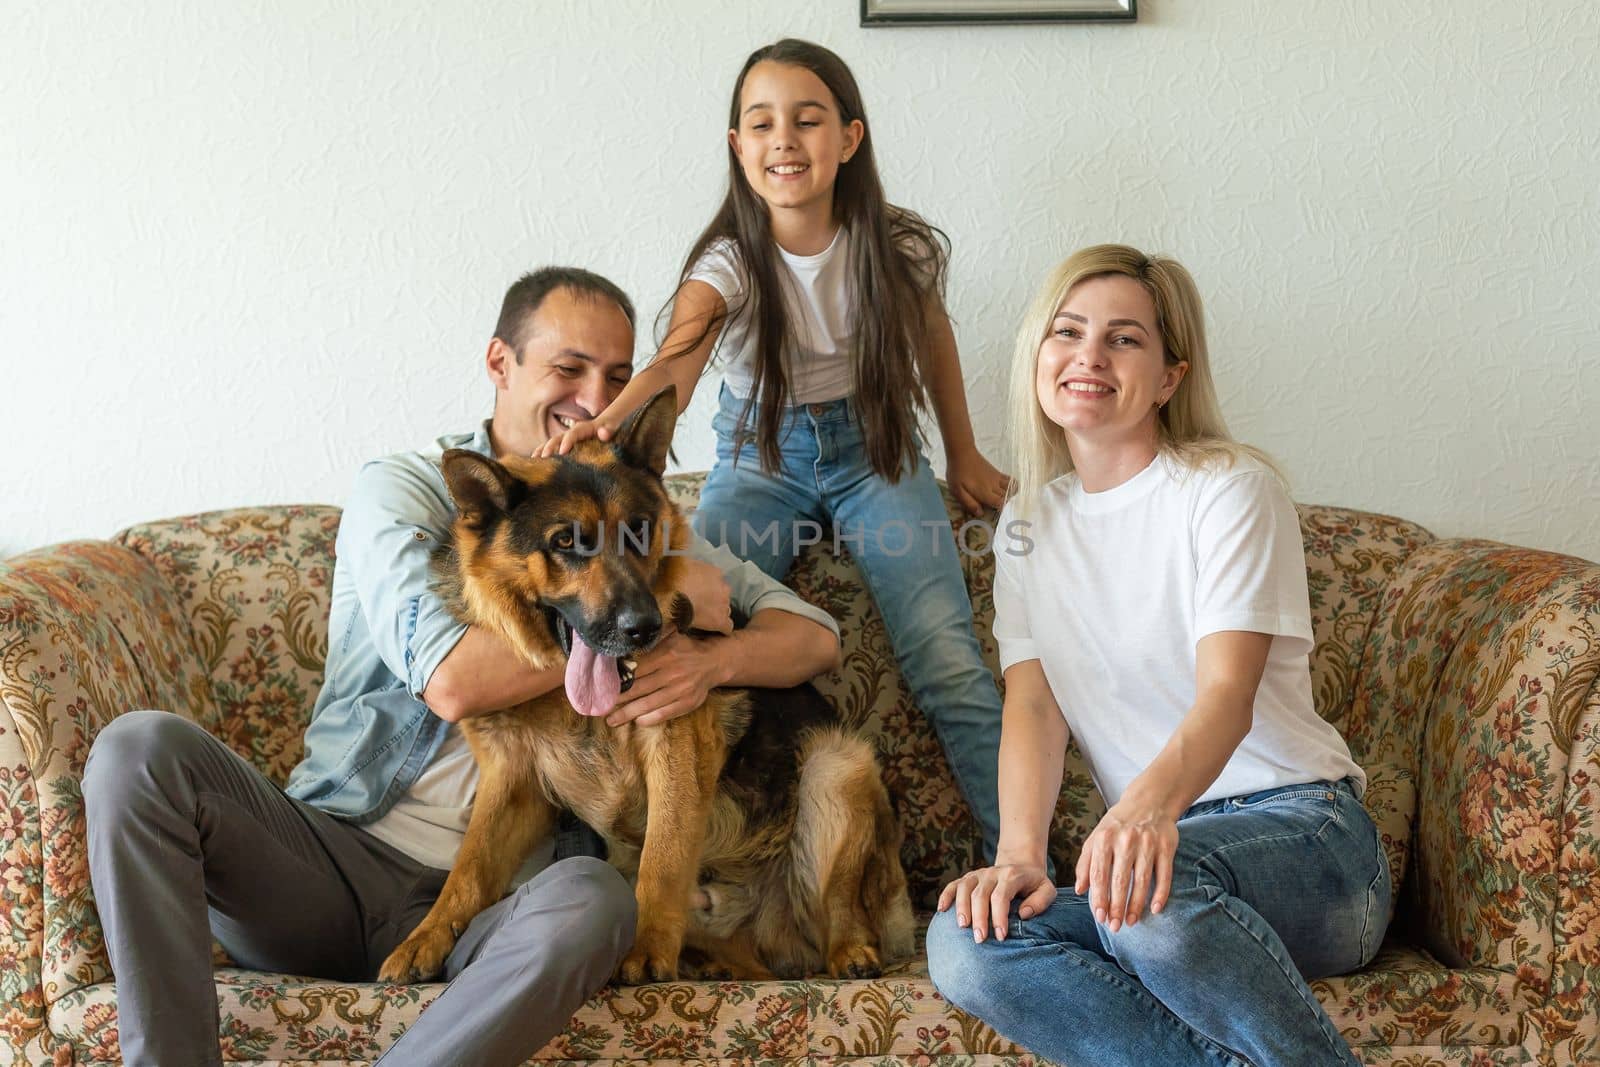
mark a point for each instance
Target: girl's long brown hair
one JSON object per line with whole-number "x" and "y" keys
{"x": 897, "y": 267}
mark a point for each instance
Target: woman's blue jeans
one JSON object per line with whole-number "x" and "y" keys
{"x": 827, "y": 493}
{"x": 1268, "y": 890}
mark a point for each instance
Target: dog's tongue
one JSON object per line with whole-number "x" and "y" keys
{"x": 593, "y": 683}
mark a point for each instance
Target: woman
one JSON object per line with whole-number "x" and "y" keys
{"x": 1153, "y": 602}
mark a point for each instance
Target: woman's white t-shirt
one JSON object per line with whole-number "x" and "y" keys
{"x": 1111, "y": 591}
{"x": 816, "y": 297}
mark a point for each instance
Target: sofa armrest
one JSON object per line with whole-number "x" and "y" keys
{"x": 23, "y": 1035}
{"x": 1497, "y": 649}
{"x": 88, "y": 630}
{"x": 1569, "y": 1026}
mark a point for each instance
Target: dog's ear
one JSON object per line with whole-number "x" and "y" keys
{"x": 479, "y": 486}
{"x": 646, "y": 436}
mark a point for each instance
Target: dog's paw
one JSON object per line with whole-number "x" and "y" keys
{"x": 643, "y": 965}
{"x": 854, "y": 961}
{"x": 419, "y": 957}
{"x": 707, "y": 970}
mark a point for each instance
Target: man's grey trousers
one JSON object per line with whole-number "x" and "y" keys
{"x": 187, "y": 840}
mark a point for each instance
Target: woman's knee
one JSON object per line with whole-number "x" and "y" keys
{"x": 1172, "y": 939}
{"x": 959, "y": 966}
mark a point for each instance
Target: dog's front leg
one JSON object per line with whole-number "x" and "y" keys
{"x": 678, "y": 798}
{"x": 509, "y": 816}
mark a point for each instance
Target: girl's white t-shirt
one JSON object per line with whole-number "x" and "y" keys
{"x": 816, "y": 298}
{"x": 1111, "y": 591}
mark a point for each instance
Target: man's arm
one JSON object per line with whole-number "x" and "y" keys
{"x": 776, "y": 649}
{"x": 397, "y": 514}
{"x": 785, "y": 642}
{"x": 482, "y": 674}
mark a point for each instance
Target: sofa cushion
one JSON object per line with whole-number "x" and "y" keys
{"x": 1405, "y": 998}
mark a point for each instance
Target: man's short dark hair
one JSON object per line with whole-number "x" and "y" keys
{"x": 524, "y": 298}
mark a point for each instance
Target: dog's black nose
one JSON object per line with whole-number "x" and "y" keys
{"x": 640, "y": 627}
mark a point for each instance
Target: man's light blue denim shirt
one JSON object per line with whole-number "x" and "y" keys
{"x": 370, "y": 734}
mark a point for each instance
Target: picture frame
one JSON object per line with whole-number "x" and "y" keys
{"x": 960, "y": 12}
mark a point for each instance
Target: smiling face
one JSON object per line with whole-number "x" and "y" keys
{"x": 577, "y": 354}
{"x": 577, "y": 556}
{"x": 791, "y": 138}
{"x": 1102, "y": 372}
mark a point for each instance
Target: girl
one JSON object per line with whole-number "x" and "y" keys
{"x": 1162, "y": 614}
{"x": 827, "y": 303}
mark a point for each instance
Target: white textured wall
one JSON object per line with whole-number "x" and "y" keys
{"x": 244, "y": 246}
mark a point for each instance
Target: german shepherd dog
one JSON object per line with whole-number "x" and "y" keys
{"x": 777, "y": 813}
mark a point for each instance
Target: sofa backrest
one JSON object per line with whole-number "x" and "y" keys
{"x": 1351, "y": 560}
{"x": 255, "y": 584}
{"x": 1350, "y": 556}
{"x": 941, "y": 836}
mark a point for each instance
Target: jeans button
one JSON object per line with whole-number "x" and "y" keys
{"x": 818, "y": 409}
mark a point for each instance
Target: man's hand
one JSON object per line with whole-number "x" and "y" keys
{"x": 671, "y": 679}
{"x": 707, "y": 589}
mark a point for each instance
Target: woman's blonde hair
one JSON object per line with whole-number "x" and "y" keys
{"x": 1190, "y": 425}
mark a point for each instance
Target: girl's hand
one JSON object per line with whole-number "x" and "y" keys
{"x": 976, "y": 483}
{"x": 1126, "y": 861}
{"x": 983, "y": 897}
{"x": 578, "y": 431}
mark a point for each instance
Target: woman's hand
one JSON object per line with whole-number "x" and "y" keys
{"x": 1127, "y": 861}
{"x": 576, "y": 433}
{"x": 983, "y": 897}
{"x": 974, "y": 481}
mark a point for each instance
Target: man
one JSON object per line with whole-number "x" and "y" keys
{"x": 328, "y": 877}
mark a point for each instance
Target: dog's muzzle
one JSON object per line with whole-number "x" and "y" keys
{"x": 626, "y": 665}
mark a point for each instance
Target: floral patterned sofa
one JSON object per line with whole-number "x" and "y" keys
{"x": 1463, "y": 674}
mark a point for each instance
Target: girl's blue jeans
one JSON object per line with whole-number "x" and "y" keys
{"x": 1268, "y": 890}
{"x": 826, "y": 492}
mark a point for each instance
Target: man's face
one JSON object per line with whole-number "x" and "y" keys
{"x": 577, "y": 354}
